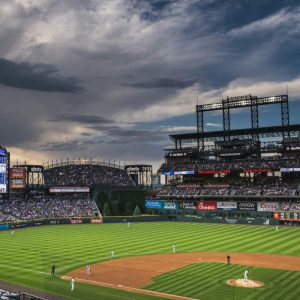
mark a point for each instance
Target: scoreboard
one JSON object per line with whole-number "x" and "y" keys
{"x": 3, "y": 170}
{"x": 17, "y": 178}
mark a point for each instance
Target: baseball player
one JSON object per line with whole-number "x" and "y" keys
{"x": 276, "y": 227}
{"x": 112, "y": 254}
{"x": 53, "y": 270}
{"x": 88, "y": 270}
{"x": 12, "y": 233}
{"x": 228, "y": 259}
{"x": 174, "y": 248}
{"x": 246, "y": 276}
{"x": 128, "y": 224}
{"x": 72, "y": 284}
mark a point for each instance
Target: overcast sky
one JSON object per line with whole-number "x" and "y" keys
{"x": 111, "y": 79}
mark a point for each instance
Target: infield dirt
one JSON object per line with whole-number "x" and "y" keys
{"x": 133, "y": 273}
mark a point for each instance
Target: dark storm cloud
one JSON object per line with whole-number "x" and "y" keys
{"x": 117, "y": 134}
{"x": 162, "y": 83}
{"x": 70, "y": 146}
{"x": 141, "y": 61}
{"x": 38, "y": 77}
{"x": 84, "y": 119}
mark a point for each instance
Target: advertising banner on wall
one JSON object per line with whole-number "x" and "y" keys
{"x": 159, "y": 204}
{"x": 170, "y": 205}
{"x": 247, "y": 206}
{"x": 188, "y": 205}
{"x": 227, "y": 205}
{"x": 267, "y": 206}
{"x": 206, "y": 205}
{"x": 287, "y": 216}
{"x": 69, "y": 189}
{"x": 96, "y": 221}
{"x": 76, "y": 221}
{"x": 152, "y": 204}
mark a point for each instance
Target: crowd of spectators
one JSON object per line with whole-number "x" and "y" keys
{"x": 289, "y": 206}
{"x": 236, "y": 165}
{"x": 242, "y": 188}
{"x": 86, "y": 175}
{"x": 7, "y": 295}
{"x": 44, "y": 207}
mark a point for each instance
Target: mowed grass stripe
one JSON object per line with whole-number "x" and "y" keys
{"x": 211, "y": 284}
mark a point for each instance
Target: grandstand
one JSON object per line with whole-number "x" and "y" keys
{"x": 206, "y": 170}
{"x": 86, "y": 173}
{"x": 64, "y": 190}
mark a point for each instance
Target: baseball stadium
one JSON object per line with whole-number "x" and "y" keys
{"x": 223, "y": 225}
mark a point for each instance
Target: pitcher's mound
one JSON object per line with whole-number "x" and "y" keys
{"x": 248, "y": 284}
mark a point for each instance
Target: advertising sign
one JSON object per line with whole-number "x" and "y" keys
{"x": 267, "y": 206}
{"x": 76, "y": 221}
{"x": 69, "y": 190}
{"x": 170, "y": 205}
{"x": 206, "y": 205}
{"x": 96, "y": 221}
{"x": 17, "y": 178}
{"x": 158, "y": 204}
{"x": 152, "y": 204}
{"x": 35, "y": 168}
{"x": 4, "y": 161}
{"x": 167, "y": 173}
{"x": 214, "y": 172}
{"x": 184, "y": 172}
{"x": 287, "y": 216}
{"x": 188, "y": 204}
{"x": 247, "y": 206}
{"x": 227, "y": 205}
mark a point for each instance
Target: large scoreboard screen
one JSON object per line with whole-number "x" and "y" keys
{"x": 3, "y": 170}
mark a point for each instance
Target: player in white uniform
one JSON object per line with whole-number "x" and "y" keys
{"x": 174, "y": 248}
{"x": 112, "y": 254}
{"x": 246, "y": 276}
{"x": 128, "y": 224}
{"x": 72, "y": 284}
{"x": 276, "y": 227}
{"x": 88, "y": 270}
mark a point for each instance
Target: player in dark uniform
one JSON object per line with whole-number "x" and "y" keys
{"x": 228, "y": 259}
{"x": 53, "y": 270}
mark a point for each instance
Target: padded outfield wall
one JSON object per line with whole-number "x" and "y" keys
{"x": 239, "y": 212}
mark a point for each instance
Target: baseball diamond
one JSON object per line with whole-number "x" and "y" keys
{"x": 199, "y": 269}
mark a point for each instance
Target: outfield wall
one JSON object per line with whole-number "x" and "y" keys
{"x": 34, "y": 223}
{"x": 233, "y": 212}
{"x": 76, "y": 221}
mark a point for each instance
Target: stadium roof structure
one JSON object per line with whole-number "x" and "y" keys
{"x": 196, "y": 142}
{"x": 271, "y": 131}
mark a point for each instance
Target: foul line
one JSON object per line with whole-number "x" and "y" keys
{"x": 128, "y": 288}
{"x": 28, "y": 270}
{"x": 116, "y": 286}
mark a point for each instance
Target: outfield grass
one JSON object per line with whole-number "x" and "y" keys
{"x": 30, "y": 252}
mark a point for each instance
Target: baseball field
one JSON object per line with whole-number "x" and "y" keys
{"x": 144, "y": 260}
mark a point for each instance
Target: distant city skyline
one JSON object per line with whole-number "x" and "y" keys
{"x": 112, "y": 79}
